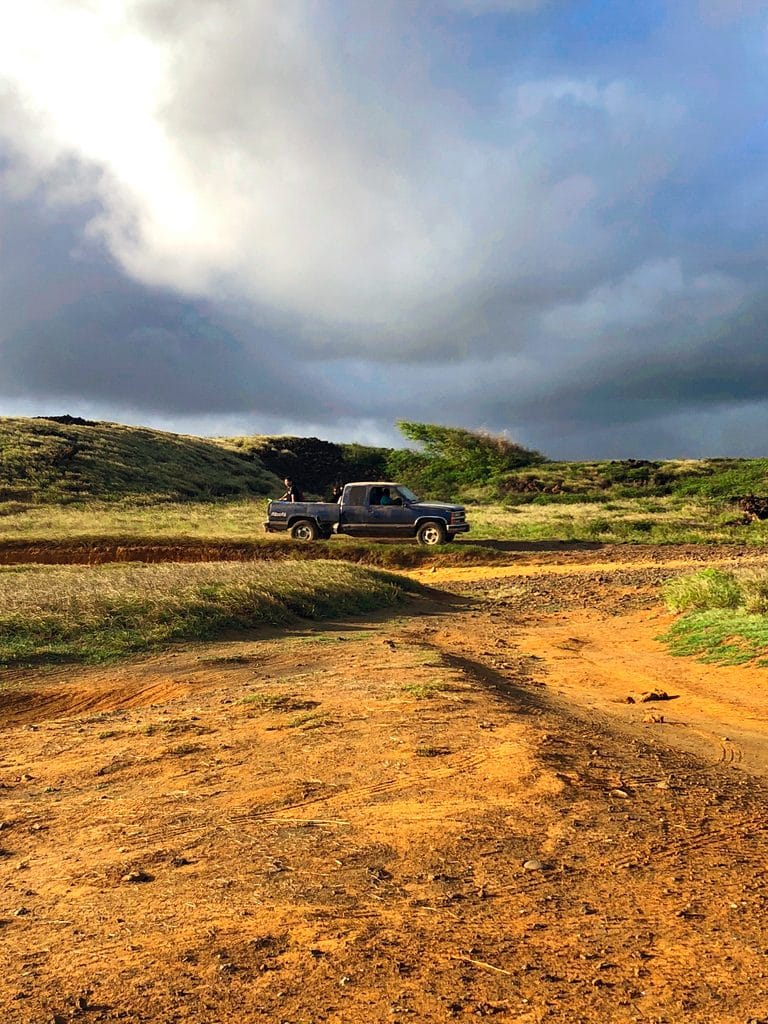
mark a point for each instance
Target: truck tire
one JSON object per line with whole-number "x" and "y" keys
{"x": 304, "y": 529}
{"x": 431, "y": 533}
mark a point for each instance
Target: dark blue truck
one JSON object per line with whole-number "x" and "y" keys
{"x": 377, "y": 508}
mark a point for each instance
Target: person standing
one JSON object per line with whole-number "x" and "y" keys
{"x": 292, "y": 492}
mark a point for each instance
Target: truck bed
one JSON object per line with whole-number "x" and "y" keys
{"x": 322, "y": 511}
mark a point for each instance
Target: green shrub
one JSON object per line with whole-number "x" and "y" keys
{"x": 705, "y": 589}
{"x": 452, "y": 458}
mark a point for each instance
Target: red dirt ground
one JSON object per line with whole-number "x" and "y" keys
{"x": 332, "y": 824}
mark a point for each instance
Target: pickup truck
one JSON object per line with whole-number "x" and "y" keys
{"x": 377, "y": 508}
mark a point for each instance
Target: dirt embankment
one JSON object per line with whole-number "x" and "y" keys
{"x": 98, "y": 552}
{"x": 446, "y": 816}
{"x": 470, "y": 554}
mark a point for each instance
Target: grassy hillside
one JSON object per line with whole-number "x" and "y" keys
{"x": 566, "y": 482}
{"x": 50, "y": 460}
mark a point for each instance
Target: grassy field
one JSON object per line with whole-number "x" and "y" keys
{"x": 639, "y": 520}
{"x": 99, "y": 614}
{"x": 725, "y": 616}
{"x": 663, "y": 520}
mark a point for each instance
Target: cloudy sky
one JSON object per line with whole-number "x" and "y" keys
{"x": 548, "y": 217}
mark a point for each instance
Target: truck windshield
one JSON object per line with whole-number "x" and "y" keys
{"x": 407, "y": 493}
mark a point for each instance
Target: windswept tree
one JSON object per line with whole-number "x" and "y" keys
{"x": 451, "y": 458}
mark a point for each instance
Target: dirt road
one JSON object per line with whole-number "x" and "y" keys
{"x": 447, "y": 816}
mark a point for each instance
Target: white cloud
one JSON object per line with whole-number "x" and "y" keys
{"x": 235, "y": 154}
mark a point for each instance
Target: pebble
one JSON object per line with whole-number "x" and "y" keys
{"x": 622, "y": 794}
{"x": 533, "y": 865}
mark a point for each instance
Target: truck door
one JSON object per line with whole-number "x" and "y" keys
{"x": 353, "y": 511}
{"x": 394, "y": 519}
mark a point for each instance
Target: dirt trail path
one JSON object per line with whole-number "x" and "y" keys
{"x": 597, "y": 659}
{"x": 333, "y": 825}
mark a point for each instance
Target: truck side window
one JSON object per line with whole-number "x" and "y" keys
{"x": 354, "y": 496}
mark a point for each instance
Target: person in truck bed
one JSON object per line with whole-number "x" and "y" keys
{"x": 292, "y": 492}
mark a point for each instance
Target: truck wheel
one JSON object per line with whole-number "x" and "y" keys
{"x": 431, "y": 533}
{"x": 304, "y": 529}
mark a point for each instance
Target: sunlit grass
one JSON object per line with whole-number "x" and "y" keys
{"x": 98, "y": 614}
{"x": 631, "y": 520}
{"x": 721, "y": 637}
{"x": 726, "y": 616}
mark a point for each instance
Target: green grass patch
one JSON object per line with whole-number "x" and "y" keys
{"x": 725, "y": 620}
{"x": 99, "y": 614}
{"x": 631, "y": 520}
{"x": 706, "y": 588}
{"x": 720, "y": 637}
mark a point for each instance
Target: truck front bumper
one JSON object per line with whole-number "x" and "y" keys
{"x": 458, "y": 527}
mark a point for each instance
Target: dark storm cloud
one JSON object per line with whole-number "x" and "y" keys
{"x": 75, "y": 327}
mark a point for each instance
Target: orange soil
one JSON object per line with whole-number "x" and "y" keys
{"x": 332, "y": 824}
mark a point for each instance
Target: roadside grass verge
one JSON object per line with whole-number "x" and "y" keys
{"x": 99, "y": 614}
{"x": 725, "y": 616}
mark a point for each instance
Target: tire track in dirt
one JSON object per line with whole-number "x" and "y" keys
{"x": 599, "y": 652}
{"x": 337, "y": 803}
